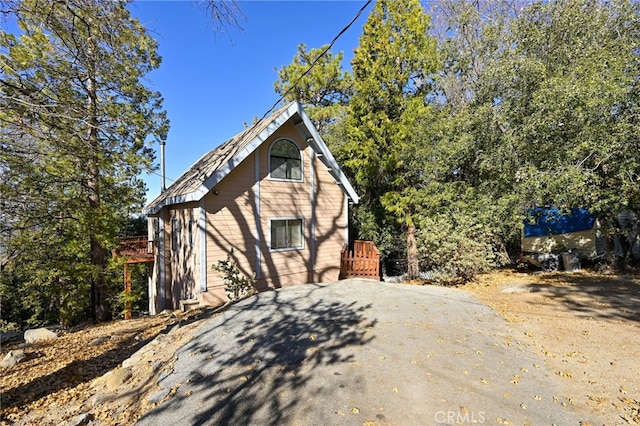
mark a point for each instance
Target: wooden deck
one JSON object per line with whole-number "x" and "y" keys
{"x": 135, "y": 249}
{"x": 362, "y": 262}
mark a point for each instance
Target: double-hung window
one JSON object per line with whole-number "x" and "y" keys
{"x": 286, "y": 234}
{"x": 285, "y": 161}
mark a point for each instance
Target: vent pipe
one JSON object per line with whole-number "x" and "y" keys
{"x": 163, "y": 186}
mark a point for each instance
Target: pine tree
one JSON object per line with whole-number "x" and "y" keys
{"x": 77, "y": 124}
{"x": 316, "y": 79}
{"x": 392, "y": 68}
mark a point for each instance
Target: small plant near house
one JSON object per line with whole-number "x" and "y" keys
{"x": 236, "y": 285}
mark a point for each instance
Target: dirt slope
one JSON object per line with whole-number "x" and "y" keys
{"x": 587, "y": 328}
{"x": 64, "y": 378}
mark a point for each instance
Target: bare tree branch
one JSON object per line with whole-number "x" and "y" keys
{"x": 224, "y": 14}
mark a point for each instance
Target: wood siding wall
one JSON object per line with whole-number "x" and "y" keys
{"x": 232, "y": 214}
{"x": 238, "y": 214}
{"x": 230, "y": 225}
{"x": 285, "y": 199}
{"x": 331, "y": 223}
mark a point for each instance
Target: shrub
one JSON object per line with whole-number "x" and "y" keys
{"x": 236, "y": 285}
{"x": 457, "y": 248}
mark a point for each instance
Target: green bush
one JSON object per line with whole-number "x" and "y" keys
{"x": 456, "y": 248}
{"x": 236, "y": 285}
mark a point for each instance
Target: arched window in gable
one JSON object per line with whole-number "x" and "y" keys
{"x": 285, "y": 161}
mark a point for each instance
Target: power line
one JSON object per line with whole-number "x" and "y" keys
{"x": 313, "y": 63}
{"x": 324, "y": 52}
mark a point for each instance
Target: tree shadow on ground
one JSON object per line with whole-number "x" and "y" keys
{"x": 71, "y": 375}
{"x": 250, "y": 364}
{"x": 592, "y": 295}
{"x": 84, "y": 370}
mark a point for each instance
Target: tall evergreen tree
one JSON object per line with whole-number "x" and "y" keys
{"x": 392, "y": 68}
{"x": 77, "y": 123}
{"x": 316, "y": 79}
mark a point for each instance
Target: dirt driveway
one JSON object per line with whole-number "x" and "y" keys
{"x": 585, "y": 326}
{"x": 360, "y": 352}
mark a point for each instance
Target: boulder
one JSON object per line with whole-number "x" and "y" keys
{"x": 81, "y": 420}
{"x": 97, "y": 341}
{"x": 12, "y": 358}
{"x": 39, "y": 334}
{"x": 157, "y": 396}
{"x": 115, "y": 378}
{"x": 7, "y": 337}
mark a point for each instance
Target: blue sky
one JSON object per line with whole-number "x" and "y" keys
{"x": 213, "y": 83}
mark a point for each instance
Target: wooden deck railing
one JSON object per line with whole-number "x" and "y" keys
{"x": 362, "y": 262}
{"x": 136, "y": 249}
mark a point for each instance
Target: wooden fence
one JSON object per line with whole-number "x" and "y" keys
{"x": 362, "y": 262}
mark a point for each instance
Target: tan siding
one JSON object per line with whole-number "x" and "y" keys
{"x": 230, "y": 224}
{"x": 166, "y": 251}
{"x": 184, "y": 260}
{"x": 280, "y": 199}
{"x": 584, "y": 242}
{"x": 331, "y": 219}
{"x": 230, "y": 219}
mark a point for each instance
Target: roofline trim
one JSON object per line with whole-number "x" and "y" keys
{"x": 249, "y": 148}
{"x": 321, "y": 146}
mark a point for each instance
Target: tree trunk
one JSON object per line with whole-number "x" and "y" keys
{"x": 413, "y": 270}
{"x": 101, "y": 309}
{"x": 99, "y": 294}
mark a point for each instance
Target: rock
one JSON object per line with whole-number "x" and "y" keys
{"x": 516, "y": 287}
{"x": 157, "y": 396}
{"x": 11, "y": 337}
{"x": 100, "y": 399}
{"x": 81, "y": 420}
{"x": 39, "y": 334}
{"x": 97, "y": 341}
{"x": 145, "y": 355}
{"x": 12, "y": 358}
{"x": 117, "y": 377}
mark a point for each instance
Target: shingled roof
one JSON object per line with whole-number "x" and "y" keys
{"x": 212, "y": 167}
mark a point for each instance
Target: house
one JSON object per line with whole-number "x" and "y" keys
{"x": 273, "y": 193}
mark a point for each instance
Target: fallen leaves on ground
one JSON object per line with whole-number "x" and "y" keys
{"x": 55, "y": 379}
{"x": 585, "y": 327}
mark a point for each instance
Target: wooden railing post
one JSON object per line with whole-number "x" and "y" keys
{"x": 133, "y": 250}
{"x": 127, "y": 291}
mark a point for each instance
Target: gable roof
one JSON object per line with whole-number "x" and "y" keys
{"x": 212, "y": 167}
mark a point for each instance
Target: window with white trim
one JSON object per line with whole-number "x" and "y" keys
{"x": 286, "y": 234}
{"x": 190, "y": 231}
{"x": 285, "y": 161}
{"x": 175, "y": 234}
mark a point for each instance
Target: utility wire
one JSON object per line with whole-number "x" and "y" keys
{"x": 311, "y": 65}
{"x": 324, "y": 52}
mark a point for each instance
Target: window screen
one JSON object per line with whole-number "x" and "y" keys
{"x": 286, "y": 233}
